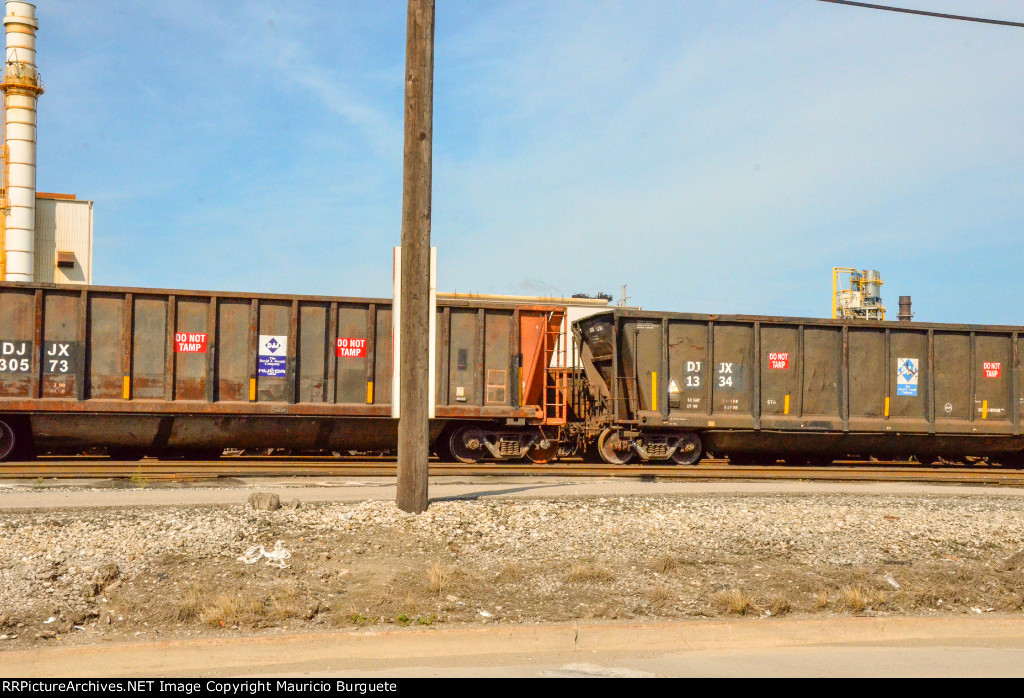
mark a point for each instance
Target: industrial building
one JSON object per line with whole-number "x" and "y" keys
{"x": 63, "y": 239}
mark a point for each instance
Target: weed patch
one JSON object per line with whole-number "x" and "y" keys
{"x": 734, "y": 601}
{"x": 589, "y": 573}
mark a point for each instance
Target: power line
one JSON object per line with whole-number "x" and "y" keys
{"x": 925, "y": 13}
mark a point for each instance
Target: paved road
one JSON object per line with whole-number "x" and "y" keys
{"x": 890, "y": 647}
{"x": 19, "y": 494}
{"x": 831, "y": 662}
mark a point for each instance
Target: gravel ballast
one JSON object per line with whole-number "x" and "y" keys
{"x": 77, "y": 576}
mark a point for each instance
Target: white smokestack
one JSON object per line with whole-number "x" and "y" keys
{"x": 22, "y": 87}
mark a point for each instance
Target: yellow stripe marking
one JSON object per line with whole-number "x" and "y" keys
{"x": 984, "y": 409}
{"x": 520, "y": 386}
{"x": 127, "y": 388}
{"x": 785, "y": 406}
{"x": 252, "y": 390}
{"x": 886, "y": 407}
{"x": 369, "y": 392}
{"x": 654, "y": 391}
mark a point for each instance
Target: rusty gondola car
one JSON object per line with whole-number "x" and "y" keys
{"x": 189, "y": 373}
{"x": 673, "y": 386}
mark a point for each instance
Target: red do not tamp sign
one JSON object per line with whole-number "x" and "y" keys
{"x": 190, "y": 342}
{"x": 993, "y": 369}
{"x": 349, "y": 347}
{"x": 778, "y": 359}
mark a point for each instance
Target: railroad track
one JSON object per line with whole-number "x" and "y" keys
{"x": 184, "y": 471}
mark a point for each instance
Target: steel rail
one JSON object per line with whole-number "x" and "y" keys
{"x": 66, "y": 468}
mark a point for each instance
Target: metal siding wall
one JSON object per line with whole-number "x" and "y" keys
{"x": 149, "y": 348}
{"x": 733, "y": 372}
{"x": 441, "y": 358}
{"x": 496, "y": 357}
{"x": 648, "y": 351}
{"x": 464, "y": 372}
{"x": 383, "y": 345}
{"x": 275, "y": 319}
{"x": 353, "y": 323}
{"x": 232, "y": 345}
{"x": 868, "y": 378}
{"x": 781, "y": 392}
{"x": 105, "y": 364}
{"x": 16, "y": 339}
{"x": 909, "y": 409}
{"x": 46, "y": 241}
{"x": 190, "y": 373}
{"x": 688, "y": 369}
{"x": 65, "y": 225}
{"x": 312, "y": 352}
{"x": 822, "y": 370}
{"x": 952, "y": 390}
{"x": 992, "y": 393}
{"x": 61, "y": 326}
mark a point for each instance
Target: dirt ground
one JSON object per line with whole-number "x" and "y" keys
{"x": 395, "y": 582}
{"x": 382, "y": 571}
{"x": 392, "y": 586}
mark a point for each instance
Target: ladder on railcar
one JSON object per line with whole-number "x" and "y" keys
{"x": 556, "y": 369}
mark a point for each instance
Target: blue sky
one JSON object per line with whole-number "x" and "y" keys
{"x": 714, "y": 156}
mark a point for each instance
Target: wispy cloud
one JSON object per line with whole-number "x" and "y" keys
{"x": 714, "y": 156}
{"x": 740, "y": 159}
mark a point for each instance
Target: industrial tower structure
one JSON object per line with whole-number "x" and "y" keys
{"x": 20, "y": 90}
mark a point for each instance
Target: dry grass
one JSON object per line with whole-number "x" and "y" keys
{"x": 821, "y": 599}
{"x": 666, "y": 564}
{"x": 187, "y": 608}
{"x": 779, "y": 606}
{"x": 511, "y": 573}
{"x": 282, "y": 605}
{"x": 174, "y": 608}
{"x": 660, "y": 597}
{"x": 734, "y": 601}
{"x": 917, "y": 595}
{"x": 440, "y": 577}
{"x": 582, "y": 573}
{"x": 254, "y": 608}
{"x": 859, "y": 598}
{"x": 222, "y": 611}
{"x": 1013, "y": 602}
{"x": 248, "y": 608}
{"x": 946, "y": 586}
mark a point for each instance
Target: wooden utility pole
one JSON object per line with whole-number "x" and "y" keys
{"x": 413, "y": 425}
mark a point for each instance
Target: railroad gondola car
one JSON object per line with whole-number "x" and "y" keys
{"x": 189, "y": 373}
{"x": 672, "y": 387}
